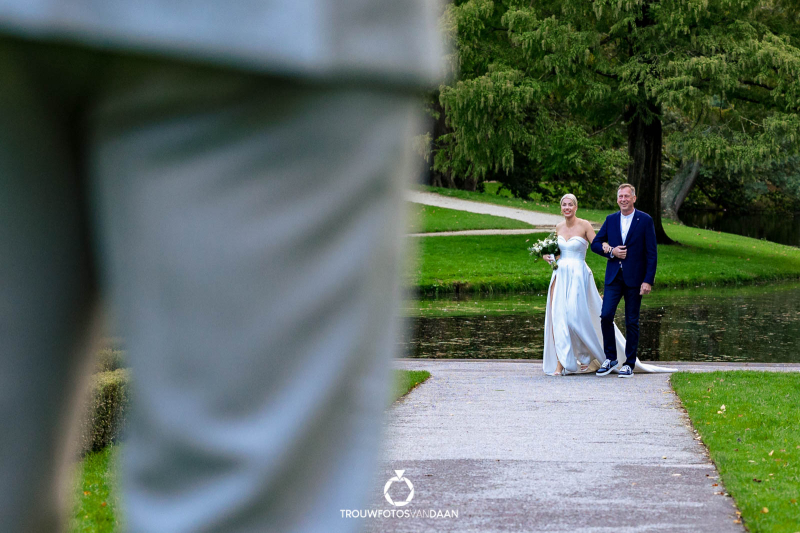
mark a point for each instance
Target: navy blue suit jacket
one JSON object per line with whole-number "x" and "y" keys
{"x": 639, "y": 266}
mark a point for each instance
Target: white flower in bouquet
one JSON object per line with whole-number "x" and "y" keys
{"x": 546, "y": 246}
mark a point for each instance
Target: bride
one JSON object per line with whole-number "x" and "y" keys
{"x": 573, "y": 341}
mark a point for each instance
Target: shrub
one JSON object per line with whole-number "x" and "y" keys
{"x": 106, "y": 410}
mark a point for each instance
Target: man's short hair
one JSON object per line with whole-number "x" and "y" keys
{"x": 632, "y": 188}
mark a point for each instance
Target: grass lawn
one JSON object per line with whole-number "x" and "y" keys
{"x": 96, "y": 497}
{"x": 501, "y": 262}
{"x": 406, "y": 380}
{"x": 431, "y": 219}
{"x": 505, "y": 198}
{"x": 754, "y": 440}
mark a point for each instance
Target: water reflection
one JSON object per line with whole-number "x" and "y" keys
{"x": 752, "y": 324}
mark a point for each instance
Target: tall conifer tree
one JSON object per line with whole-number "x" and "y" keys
{"x": 730, "y": 68}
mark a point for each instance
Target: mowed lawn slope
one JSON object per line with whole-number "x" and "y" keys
{"x": 432, "y": 219}
{"x": 502, "y": 262}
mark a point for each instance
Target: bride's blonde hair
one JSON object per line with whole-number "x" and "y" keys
{"x": 571, "y": 197}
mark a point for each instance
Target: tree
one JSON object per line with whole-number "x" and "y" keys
{"x": 504, "y": 125}
{"x": 610, "y": 64}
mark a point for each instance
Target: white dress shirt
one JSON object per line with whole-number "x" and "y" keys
{"x": 625, "y": 224}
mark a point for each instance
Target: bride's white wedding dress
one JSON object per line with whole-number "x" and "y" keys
{"x": 572, "y": 332}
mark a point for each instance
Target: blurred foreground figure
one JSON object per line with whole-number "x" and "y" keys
{"x": 229, "y": 176}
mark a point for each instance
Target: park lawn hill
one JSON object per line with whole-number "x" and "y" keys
{"x": 501, "y": 263}
{"x": 748, "y": 421}
{"x": 432, "y": 219}
{"x": 96, "y": 486}
{"x": 505, "y": 198}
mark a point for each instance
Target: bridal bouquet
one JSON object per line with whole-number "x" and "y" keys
{"x": 548, "y": 245}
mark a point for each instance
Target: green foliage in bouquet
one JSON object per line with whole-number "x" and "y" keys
{"x": 546, "y": 246}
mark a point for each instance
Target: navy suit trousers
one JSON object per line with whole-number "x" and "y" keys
{"x": 612, "y": 294}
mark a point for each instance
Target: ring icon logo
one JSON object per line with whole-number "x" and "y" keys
{"x": 398, "y": 477}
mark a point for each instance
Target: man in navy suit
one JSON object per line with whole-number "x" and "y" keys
{"x": 628, "y": 240}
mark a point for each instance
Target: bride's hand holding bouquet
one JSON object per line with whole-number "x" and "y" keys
{"x": 547, "y": 249}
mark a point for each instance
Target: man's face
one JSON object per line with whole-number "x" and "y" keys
{"x": 625, "y": 200}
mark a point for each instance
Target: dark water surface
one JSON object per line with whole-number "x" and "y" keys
{"x": 755, "y": 324}
{"x": 780, "y": 228}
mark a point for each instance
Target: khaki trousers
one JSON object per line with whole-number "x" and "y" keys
{"x": 246, "y": 233}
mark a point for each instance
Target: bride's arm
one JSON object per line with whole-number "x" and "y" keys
{"x": 589, "y": 230}
{"x": 590, "y": 236}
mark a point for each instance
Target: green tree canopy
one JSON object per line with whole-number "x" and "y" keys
{"x": 554, "y": 85}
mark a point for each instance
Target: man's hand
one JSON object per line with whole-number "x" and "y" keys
{"x": 646, "y": 288}
{"x": 606, "y": 248}
{"x": 620, "y": 252}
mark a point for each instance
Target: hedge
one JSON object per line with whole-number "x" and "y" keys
{"x": 109, "y": 359}
{"x": 106, "y": 410}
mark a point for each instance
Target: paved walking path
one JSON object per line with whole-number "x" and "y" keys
{"x": 539, "y": 229}
{"x": 514, "y": 450}
{"x": 531, "y": 217}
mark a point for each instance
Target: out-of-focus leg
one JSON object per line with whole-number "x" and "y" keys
{"x": 252, "y": 236}
{"x": 45, "y": 293}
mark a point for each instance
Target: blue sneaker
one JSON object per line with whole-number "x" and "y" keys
{"x": 606, "y": 367}
{"x": 625, "y": 372}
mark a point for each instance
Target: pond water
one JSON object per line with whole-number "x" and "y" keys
{"x": 780, "y": 228}
{"x": 755, "y": 324}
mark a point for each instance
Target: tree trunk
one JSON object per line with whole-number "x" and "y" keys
{"x": 471, "y": 183}
{"x": 674, "y": 192}
{"x": 436, "y": 178}
{"x": 449, "y": 182}
{"x": 644, "y": 169}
